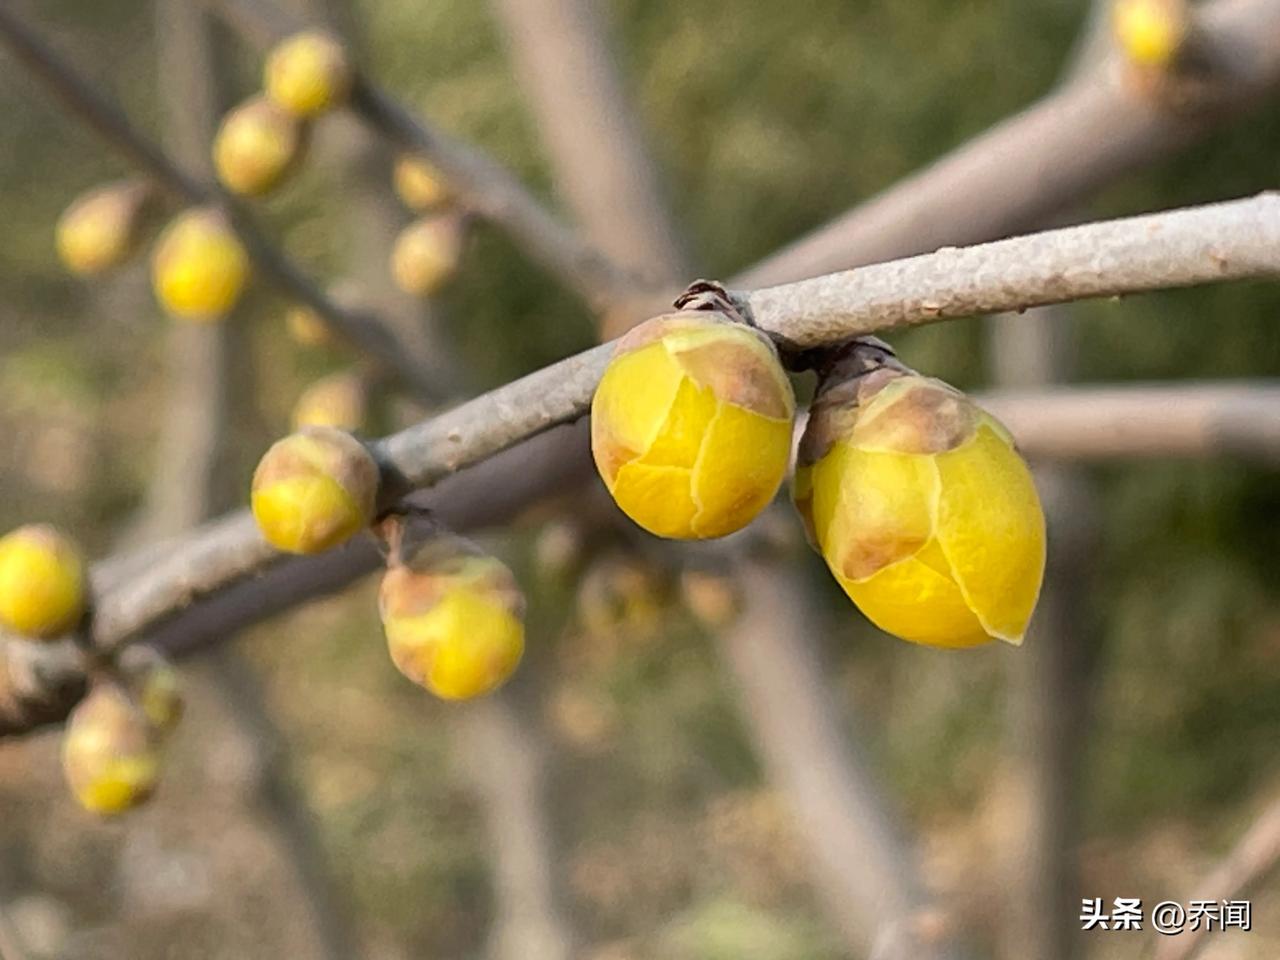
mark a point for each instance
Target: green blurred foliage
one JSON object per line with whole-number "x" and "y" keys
{"x": 767, "y": 120}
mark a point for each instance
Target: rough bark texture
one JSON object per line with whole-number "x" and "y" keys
{"x": 1223, "y": 241}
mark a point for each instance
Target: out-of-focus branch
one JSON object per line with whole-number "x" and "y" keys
{"x": 11, "y": 948}
{"x": 1049, "y": 158}
{"x": 863, "y": 869}
{"x": 223, "y": 578}
{"x": 371, "y": 218}
{"x": 181, "y": 494}
{"x": 1251, "y": 861}
{"x": 481, "y": 184}
{"x": 588, "y": 124}
{"x": 285, "y": 811}
{"x": 1139, "y": 421}
{"x": 1012, "y": 178}
{"x": 507, "y": 763}
{"x": 1049, "y": 689}
{"x": 83, "y": 100}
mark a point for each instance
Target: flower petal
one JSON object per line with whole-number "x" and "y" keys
{"x": 991, "y": 528}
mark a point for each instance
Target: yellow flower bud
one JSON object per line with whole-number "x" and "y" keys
{"x": 109, "y": 753}
{"x": 426, "y": 255}
{"x": 308, "y": 73}
{"x": 922, "y": 508}
{"x": 691, "y": 425}
{"x": 420, "y": 185}
{"x": 712, "y": 597}
{"x": 338, "y": 400}
{"x": 308, "y": 329}
{"x": 102, "y": 227}
{"x": 155, "y": 686}
{"x": 454, "y": 624}
{"x": 257, "y": 144}
{"x": 199, "y": 268}
{"x": 314, "y": 490}
{"x": 1150, "y": 32}
{"x": 42, "y": 582}
{"x": 621, "y": 595}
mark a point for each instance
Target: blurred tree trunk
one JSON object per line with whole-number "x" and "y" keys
{"x": 590, "y": 128}
{"x": 191, "y": 479}
{"x": 1050, "y": 674}
{"x": 505, "y": 753}
{"x": 861, "y": 867}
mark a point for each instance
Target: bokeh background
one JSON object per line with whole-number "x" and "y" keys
{"x": 668, "y": 839}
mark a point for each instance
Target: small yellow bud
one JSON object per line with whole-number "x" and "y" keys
{"x": 621, "y": 595}
{"x": 308, "y": 329}
{"x": 426, "y": 255}
{"x": 922, "y": 508}
{"x": 42, "y": 582}
{"x": 102, "y": 227}
{"x": 155, "y": 686}
{"x": 420, "y": 185}
{"x": 198, "y": 267}
{"x": 109, "y": 752}
{"x": 691, "y": 425}
{"x": 308, "y": 73}
{"x": 314, "y": 490}
{"x": 712, "y": 597}
{"x": 257, "y": 144}
{"x": 454, "y": 624}
{"x": 1150, "y": 32}
{"x": 338, "y": 400}
{"x": 558, "y": 549}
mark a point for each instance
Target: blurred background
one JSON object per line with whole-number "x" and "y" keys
{"x": 318, "y": 805}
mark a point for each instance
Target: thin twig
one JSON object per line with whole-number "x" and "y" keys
{"x": 481, "y": 184}
{"x": 1224, "y": 241}
{"x": 1023, "y": 172}
{"x": 94, "y": 109}
{"x": 1253, "y": 858}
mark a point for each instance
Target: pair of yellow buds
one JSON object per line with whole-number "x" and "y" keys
{"x": 916, "y": 498}
{"x": 453, "y": 618}
{"x": 199, "y": 267}
{"x": 110, "y": 751}
{"x": 263, "y": 139}
{"x": 112, "y": 748}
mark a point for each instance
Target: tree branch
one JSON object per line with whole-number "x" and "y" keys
{"x": 1240, "y": 239}
{"x": 863, "y": 868}
{"x": 1223, "y": 241}
{"x": 1137, "y": 421}
{"x": 482, "y": 185}
{"x": 1252, "y": 859}
{"x": 1047, "y": 159}
{"x": 82, "y": 99}
{"x": 590, "y": 127}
